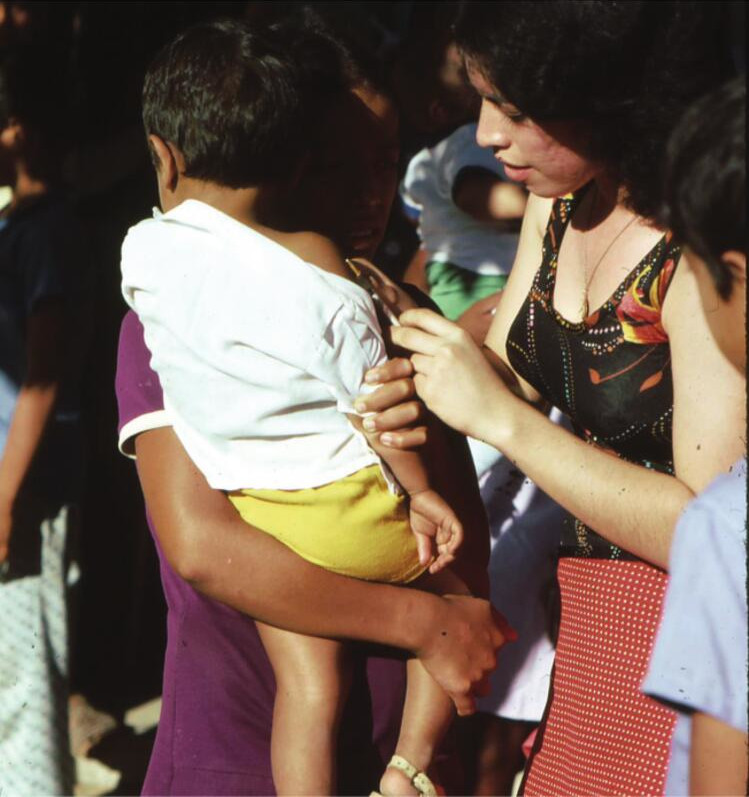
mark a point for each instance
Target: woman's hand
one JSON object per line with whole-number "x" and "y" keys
{"x": 453, "y": 377}
{"x": 399, "y": 415}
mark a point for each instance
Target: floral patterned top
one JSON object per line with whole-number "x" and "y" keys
{"x": 610, "y": 373}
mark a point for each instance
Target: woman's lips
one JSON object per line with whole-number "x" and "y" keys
{"x": 518, "y": 174}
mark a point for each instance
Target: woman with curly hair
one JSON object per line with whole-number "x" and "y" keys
{"x": 598, "y": 319}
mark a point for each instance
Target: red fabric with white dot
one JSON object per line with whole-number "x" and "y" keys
{"x": 602, "y": 736}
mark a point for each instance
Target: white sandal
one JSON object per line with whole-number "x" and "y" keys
{"x": 419, "y": 779}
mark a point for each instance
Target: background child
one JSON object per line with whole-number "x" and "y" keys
{"x": 468, "y": 215}
{"x": 699, "y": 664}
{"x": 222, "y": 250}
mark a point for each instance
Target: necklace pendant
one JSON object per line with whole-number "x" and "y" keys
{"x": 584, "y": 307}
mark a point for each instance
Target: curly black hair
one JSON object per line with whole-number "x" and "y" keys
{"x": 704, "y": 192}
{"x": 627, "y": 69}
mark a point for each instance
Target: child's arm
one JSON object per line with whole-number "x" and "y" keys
{"x": 434, "y": 523}
{"x": 487, "y": 198}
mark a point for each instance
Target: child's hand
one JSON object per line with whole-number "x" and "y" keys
{"x": 438, "y": 531}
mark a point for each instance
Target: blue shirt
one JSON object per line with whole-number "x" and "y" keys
{"x": 700, "y": 658}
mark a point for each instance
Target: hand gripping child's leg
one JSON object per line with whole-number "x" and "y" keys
{"x": 312, "y": 682}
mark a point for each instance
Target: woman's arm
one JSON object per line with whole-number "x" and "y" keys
{"x": 208, "y": 544}
{"x": 631, "y": 506}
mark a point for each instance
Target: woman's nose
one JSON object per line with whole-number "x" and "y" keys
{"x": 491, "y": 132}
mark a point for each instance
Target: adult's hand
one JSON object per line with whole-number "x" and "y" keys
{"x": 453, "y": 376}
{"x": 459, "y": 649}
{"x": 399, "y": 415}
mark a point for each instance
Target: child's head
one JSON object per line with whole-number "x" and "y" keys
{"x": 32, "y": 120}
{"x": 225, "y": 105}
{"x": 705, "y": 206}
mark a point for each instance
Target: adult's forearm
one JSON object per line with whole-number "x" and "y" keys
{"x": 631, "y": 506}
{"x": 30, "y": 418}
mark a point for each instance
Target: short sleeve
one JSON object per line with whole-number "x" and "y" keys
{"x": 700, "y": 658}
{"x": 351, "y": 345}
{"x": 46, "y": 261}
{"x": 461, "y": 151}
{"x": 140, "y": 399}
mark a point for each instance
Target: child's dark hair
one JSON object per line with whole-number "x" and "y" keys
{"x": 626, "y": 69}
{"x": 704, "y": 193}
{"x": 232, "y": 100}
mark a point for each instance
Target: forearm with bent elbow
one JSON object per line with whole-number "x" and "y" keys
{"x": 631, "y": 506}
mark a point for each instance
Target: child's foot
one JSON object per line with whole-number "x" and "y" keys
{"x": 395, "y": 783}
{"x": 402, "y": 779}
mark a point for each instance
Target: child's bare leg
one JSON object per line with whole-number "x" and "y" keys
{"x": 428, "y": 711}
{"x": 312, "y": 681}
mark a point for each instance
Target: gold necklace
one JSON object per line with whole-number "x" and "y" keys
{"x": 584, "y": 306}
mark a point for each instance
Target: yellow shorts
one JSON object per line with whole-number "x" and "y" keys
{"x": 354, "y": 526}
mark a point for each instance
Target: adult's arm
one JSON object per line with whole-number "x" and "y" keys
{"x": 208, "y": 544}
{"x": 631, "y": 506}
{"x": 33, "y": 409}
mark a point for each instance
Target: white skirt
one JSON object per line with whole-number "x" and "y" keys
{"x": 34, "y": 749}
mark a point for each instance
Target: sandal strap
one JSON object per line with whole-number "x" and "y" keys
{"x": 419, "y": 779}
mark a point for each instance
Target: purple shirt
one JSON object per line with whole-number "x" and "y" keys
{"x": 214, "y": 731}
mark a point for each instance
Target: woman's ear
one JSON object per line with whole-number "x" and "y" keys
{"x": 168, "y": 162}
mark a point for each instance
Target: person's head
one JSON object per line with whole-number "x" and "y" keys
{"x": 351, "y": 176}
{"x": 428, "y": 76}
{"x": 32, "y": 120}
{"x": 704, "y": 203}
{"x": 225, "y": 105}
{"x": 588, "y": 88}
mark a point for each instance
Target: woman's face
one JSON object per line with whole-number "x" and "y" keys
{"x": 546, "y": 157}
{"x": 349, "y": 186}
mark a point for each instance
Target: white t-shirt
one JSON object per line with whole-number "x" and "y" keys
{"x": 446, "y": 232}
{"x": 699, "y": 662}
{"x": 259, "y": 353}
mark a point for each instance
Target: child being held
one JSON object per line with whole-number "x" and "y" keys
{"x": 261, "y": 341}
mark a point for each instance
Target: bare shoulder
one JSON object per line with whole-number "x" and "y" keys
{"x": 318, "y": 250}
{"x": 527, "y": 263}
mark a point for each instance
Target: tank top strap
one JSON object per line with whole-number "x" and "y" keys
{"x": 561, "y": 212}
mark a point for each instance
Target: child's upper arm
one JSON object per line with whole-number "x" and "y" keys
{"x": 318, "y": 250}
{"x": 527, "y": 263}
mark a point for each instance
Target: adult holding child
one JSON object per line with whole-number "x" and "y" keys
{"x": 599, "y": 319}
{"x": 218, "y": 686}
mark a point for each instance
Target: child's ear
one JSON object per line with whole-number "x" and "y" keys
{"x": 736, "y": 261}
{"x": 168, "y": 162}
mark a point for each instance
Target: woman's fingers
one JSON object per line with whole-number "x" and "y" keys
{"x": 422, "y": 363}
{"x": 390, "y": 395}
{"x": 392, "y": 370}
{"x": 416, "y": 340}
{"x": 428, "y": 321}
